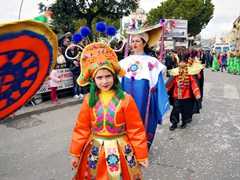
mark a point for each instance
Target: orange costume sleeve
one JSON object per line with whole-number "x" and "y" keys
{"x": 82, "y": 129}
{"x": 135, "y": 129}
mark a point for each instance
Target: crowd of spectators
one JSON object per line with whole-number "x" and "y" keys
{"x": 66, "y": 60}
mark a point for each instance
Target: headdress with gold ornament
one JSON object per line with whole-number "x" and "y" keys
{"x": 150, "y": 34}
{"x": 96, "y": 56}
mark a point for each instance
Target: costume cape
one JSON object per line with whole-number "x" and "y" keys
{"x": 197, "y": 104}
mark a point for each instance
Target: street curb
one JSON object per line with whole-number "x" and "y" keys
{"x": 42, "y": 109}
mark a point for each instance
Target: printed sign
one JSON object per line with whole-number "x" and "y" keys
{"x": 168, "y": 45}
{"x": 175, "y": 28}
{"x": 67, "y": 81}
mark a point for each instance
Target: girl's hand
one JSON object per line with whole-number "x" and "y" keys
{"x": 75, "y": 162}
{"x": 144, "y": 163}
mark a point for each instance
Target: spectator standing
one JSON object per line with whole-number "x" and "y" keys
{"x": 203, "y": 57}
{"x": 171, "y": 61}
{"x": 61, "y": 62}
{"x": 208, "y": 58}
{"x": 168, "y": 63}
{"x": 62, "y": 37}
{"x": 54, "y": 80}
{"x": 76, "y": 70}
{"x": 120, "y": 54}
{"x": 71, "y": 52}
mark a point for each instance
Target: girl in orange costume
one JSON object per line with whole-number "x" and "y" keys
{"x": 109, "y": 140}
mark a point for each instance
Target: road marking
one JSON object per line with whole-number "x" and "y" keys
{"x": 206, "y": 89}
{"x": 230, "y": 92}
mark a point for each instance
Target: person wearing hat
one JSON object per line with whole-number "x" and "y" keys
{"x": 109, "y": 140}
{"x": 183, "y": 90}
{"x": 144, "y": 79}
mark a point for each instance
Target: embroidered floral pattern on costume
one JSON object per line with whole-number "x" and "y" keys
{"x": 112, "y": 106}
{"x": 152, "y": 66}
{"x": 112, "y": 160}
{"x": 92, "y": 177}
{"x": 93, "y": 157}
{"x": 100, "y": 117}
{"x": 129, "y": 156}
{"x": 135, "y": 67}
{"x": 109, "y": 118}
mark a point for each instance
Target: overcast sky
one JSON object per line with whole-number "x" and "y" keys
{"x": 224, "y": 15}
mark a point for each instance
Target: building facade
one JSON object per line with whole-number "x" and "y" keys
{"x": 236, "y": 33}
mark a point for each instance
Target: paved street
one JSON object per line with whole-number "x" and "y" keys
{"x": 36, "y": 147}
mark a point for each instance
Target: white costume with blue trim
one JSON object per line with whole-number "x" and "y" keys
{"x": 144, "y": 81}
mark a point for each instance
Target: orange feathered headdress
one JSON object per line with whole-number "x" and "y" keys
{"x": 97, "y": 56}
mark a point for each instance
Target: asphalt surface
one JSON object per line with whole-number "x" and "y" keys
{"x": 35, "y": 144}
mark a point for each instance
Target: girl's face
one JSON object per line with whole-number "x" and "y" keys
{"x": 137, "y": 44}
{"x": 104, "y": 79}
{"x": 182, "y": 64}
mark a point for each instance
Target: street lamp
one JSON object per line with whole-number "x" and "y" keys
{"x": 20, "y": 10}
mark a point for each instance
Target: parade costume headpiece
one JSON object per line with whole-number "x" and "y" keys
{"x": 150, "y": 34}
{"x": 28, "y": 53}
{"x": 96, "y": 56}
{"x": 182, "y": 56}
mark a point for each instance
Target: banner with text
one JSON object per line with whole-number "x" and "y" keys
{"x": 67, "y": 81}
{"x": 175, "y": 28}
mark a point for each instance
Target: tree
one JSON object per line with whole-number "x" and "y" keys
{"x": 69, "y": 13}
{"x": 197, "y": 12}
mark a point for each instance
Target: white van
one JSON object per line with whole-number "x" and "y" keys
{"x": 220, "y": 47}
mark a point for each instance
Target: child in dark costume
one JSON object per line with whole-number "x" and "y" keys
{"x": 184, "y": 90}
